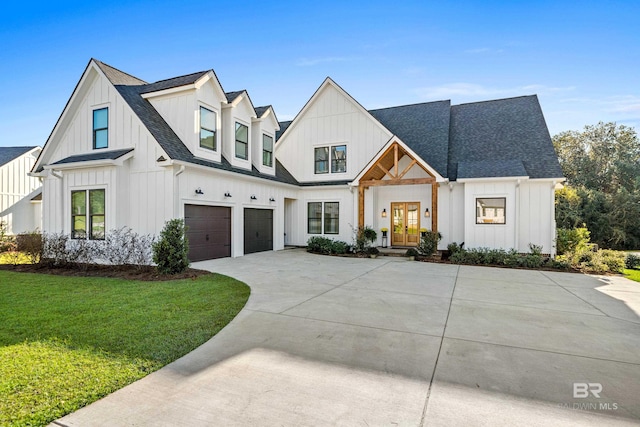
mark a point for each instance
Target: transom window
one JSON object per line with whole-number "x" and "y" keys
{"x": 337, "y": 163}
{"x": 491, "y": 210}
{"x": 242, "y": 141}
{"x": 267, "y": 150}
{"x": 323, "y": 217}
{"x": 88, "y": 214}
{"x": 101, "y": 128}
{"x": 208, "y": 126}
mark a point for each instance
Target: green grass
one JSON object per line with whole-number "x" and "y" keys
{"x": 632, "y": 274}
{"x": 67, "y": 341}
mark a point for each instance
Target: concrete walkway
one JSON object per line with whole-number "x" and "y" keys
{"x": 359, "y": 342}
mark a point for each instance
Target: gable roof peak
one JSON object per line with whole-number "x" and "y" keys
{"x": 116, "y": 76}
{"x": 511, "y": 98}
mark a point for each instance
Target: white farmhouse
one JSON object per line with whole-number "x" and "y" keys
{"x": 20, "y": 194}
{"x": 129, "y": 153}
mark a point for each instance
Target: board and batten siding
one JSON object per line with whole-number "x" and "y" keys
{"x": 537, "y": 215}
{"x": 451, "y": 219}
{"x": 214, "y": 184}
{"x": 19, "y": 215}
{"x": 332, "y": 119}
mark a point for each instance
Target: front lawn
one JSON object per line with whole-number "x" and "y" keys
{"x": 68, "y": 341}
{"x": 632, "y": 274}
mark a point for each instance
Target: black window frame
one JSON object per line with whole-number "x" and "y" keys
{"x": 267, "y": 153}
{"x": 322, "y": 221}
{"x": 206, "y": 129}
{"x": 101, "y": 129}
{"x": 335, "y": 161}
{"x": 504, "y": 207}
{"x": 317, "y": 161}
{"x": 245, "y": 143}
{"x": 89, "y": 215}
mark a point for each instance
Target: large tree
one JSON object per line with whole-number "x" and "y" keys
{"x": 602, "y": 166}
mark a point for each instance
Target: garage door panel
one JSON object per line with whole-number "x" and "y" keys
{"x": 258, "y": 230}
{"x": 209, "y": 231}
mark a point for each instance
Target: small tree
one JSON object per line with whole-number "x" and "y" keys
{"x": 429, "y": 243}
{"x": 171, "y": 249}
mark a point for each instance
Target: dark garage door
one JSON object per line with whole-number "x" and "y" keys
{"x": 209, "y": 231}
{"x": 258, "y": 230}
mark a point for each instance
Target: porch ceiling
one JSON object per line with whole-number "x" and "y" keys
{"x": 387, "y": 165}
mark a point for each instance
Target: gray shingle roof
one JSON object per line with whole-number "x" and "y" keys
{"x": 503, "y": 130}
{"x": 261, "y": 110}
{"x": 231, "y": 96}
{"x": 98, "y": 155}
{"x": 8, "y": 154}
{"x": 118, "y": 77}
{"x": 174, "y": 82}
{"x": 423, "y": 127}
{"x": 283, "y": 127}
{"x": 491, "y": 169}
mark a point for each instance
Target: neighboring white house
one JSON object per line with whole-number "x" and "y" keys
{"x": 129, "y": 153}
{"x": 20, "y": 194}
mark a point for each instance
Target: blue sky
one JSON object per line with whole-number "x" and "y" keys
{"x": 581, "y": 58}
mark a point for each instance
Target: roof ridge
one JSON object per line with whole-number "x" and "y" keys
{"x": 178, "y": 77}
{"x": 410, "y": 105}
{"x": 496, "y": 100}
{"x": 120, "y": 71}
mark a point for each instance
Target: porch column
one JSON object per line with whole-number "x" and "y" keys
{"x": 434, "y": 207}
{"x": 360, "y": 205}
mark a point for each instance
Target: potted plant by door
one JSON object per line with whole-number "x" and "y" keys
{"x": 373, "y": 252}
{"x": 423, "y": 232}
{"x": 384, "y": 236}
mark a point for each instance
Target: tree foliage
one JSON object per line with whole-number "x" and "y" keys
{"x": 602, "y": 166}
{"x": 171, "y": 249}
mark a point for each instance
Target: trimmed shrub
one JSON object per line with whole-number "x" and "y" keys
{"x": 326, "y": 246}
{"x": 572, "y": 240}
{"x": 364, "y": 238}
{"x": 632, "y": 262}
{"x": 31, "y": 245}
{"x": 429, "y": 243}
{"x": 171, "y": 249}
{"x": 126, "y": 247}
{"x": 411, "y": 252}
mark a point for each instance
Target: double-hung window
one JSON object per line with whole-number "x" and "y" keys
{"x": 208, "y": 129}
{"x": 242, "y": 141}
{"x": 101, "y": 128}
{"x": 88, "y": 214}
{"x": 323, "y": 217}
{"x": 267, "y": 150}
{"x": 330, "y": 159}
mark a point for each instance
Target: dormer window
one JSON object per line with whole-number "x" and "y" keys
{"x": 207, "y": 129}
{"x": 267, "y": 150}
{"x": 101, "y": 128}
{"x": 242, "y": 141}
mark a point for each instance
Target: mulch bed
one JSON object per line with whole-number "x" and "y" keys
{"x": 127, "y": 272}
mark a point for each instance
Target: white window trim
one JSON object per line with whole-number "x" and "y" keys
{"x": 87, "y": 188}
{"x": 322, "y": 211}
{"x": 197, "y": 129}
{"x": 273, "y": 150}
{"x": 248, "y": 125}
{"x": 491, "y": 196}
{"x": 329, "y": 146}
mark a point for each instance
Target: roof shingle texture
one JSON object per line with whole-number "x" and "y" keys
{"x": 8, "y": 154}
{"x": 98, "y": 155}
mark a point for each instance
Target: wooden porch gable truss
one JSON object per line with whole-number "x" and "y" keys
{"x": 387, "y": 167}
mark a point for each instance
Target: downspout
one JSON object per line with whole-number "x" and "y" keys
{"x": 517, "y": 217}
{"x": 552, "y": 252}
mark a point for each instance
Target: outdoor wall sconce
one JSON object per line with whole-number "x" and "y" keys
{"x": 271, "y": 199}
{"x": 253, "y": 197}
{"x": 384, "y": 213}
{"x": 426, "y": 213}
{"x": 227, "y": 194}
{"x": 199, "y": 191}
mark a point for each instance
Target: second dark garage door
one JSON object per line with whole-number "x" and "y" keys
{"x": 258, "y": 230}
{"x": 209, "y": 231}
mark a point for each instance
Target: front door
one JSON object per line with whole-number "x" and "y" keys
{"x": 406, "y": 224}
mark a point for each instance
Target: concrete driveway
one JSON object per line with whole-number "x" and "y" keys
{"x": 362, "y": 342}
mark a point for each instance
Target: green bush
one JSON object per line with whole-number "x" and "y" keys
{"x": 599, "y": 261}
{"x": 31, "y": 244}
{"x": 453, "y": 247}
{"x": 411, "y": 252}
{"x": 364, "y": 238}
{"x": 323, "y": 245}
{"x": 429, "y": 243}
{"x": 632, "y": 262}
{"x": 171, "y": 249}
{"x": 572, "y": 240}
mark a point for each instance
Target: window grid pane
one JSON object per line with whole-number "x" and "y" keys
{"x": 78, "y": 214}
{"x": 331, "y": 217}
{"x": 242, "y": 141}
{"x": 96, "y": 214}
{"x": 314, "y": 218}
{"x": 339, "y": 159}
{"x": 321, "y": 156}
{"x": 207, "y": 129}
{"x": 267, "y": 150}
{"x": 101, "y": 128}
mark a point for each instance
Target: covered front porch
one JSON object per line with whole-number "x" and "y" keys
{"x": 398, "y": 191}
